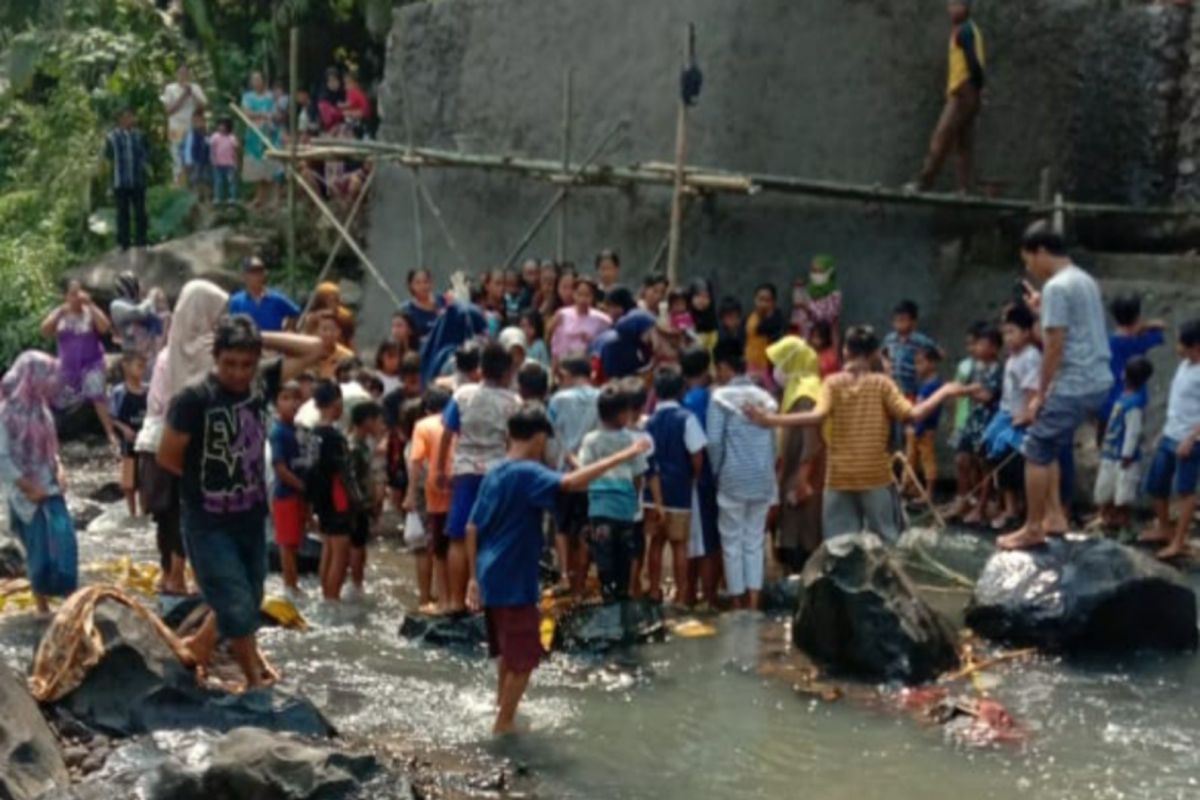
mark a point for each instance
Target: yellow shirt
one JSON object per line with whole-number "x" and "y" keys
{"x": 959, "y": 72}
{"x": 861, "y": 409}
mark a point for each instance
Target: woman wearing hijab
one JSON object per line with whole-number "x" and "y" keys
{"x": 458, "y": 324}
{"x": 630, "y": 351}
{"x": 30, "y": 469}
{"x": 801, "y": 452}
{"x": 140, "y": 324}
{"x": 823, "y": 300}
{"x": 187, "y": 357}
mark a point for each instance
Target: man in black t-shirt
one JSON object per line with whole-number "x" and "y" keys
{"x": 215, "y": 440}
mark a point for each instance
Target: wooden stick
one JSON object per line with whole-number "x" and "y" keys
{"x": 414, "y": 188}
{"x": 980, "y": 666}
{"x": 673, "y": 242}
{"x": 560, "y": 246}
{"x": 911, "y": 474}
{"x": 358, "y": 201}
{"x": 293, "y": 113}
{"x": 441, "y": 221}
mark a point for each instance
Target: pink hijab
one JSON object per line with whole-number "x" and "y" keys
{"x": 26, "y": 392}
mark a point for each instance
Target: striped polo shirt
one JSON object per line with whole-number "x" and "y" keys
{"x": 862, "y": 409}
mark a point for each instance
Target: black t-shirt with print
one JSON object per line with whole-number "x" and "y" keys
{"x": 224, "y": 466}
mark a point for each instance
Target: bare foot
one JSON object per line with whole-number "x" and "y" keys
{"x": 1056, "y": 525}
{"x": 1021, "y": 539}
{"x": 1174, "y": 550}
{"x": 1154, "y": 535}
{"x": 429, "y": 608}
{"x": 975, "y": 517}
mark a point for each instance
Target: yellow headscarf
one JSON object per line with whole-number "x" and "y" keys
{"x": 801, "y": 369}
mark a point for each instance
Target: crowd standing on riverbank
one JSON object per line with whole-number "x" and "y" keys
{"x": 549, "y": 410}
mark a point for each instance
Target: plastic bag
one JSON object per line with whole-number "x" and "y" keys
{"x": 51, "y": 554}
{"x": 414, "y": 530}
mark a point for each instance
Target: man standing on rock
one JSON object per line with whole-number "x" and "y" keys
{"x": 955, "y": 131}
{"x": 180, "y": 99}
{"x": 271, "y": 310}
{"x": 1075, "y": 378}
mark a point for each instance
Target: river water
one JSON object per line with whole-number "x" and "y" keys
{"x": 695, "y": 717}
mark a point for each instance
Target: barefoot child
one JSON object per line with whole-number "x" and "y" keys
{"x": 330, "y": 489}
{"x": 1133, "y": 337}
{"x": 128, "y": 411}
{"x": 216, "y": 434}
{"x": 291, "y": 459}
{"x": 679, "y": 447}
{"x": 1121, "y": 455}
{"x": 1176, "y": 464}
{"x": 504, "y": 544}
{"x": 573, "y": 413}
{"x": 366, "y": 430}
{"x": 423, "y": 459}
{"x": 704, "y": 547}
{"x": 921, "y": 437}
{"x": 987, "y": 381}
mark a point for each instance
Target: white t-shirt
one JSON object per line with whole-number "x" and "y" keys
{"x": 1022, "y": 374}
{"x": 181, "y": 120}
{"x": 1183, "y": 407}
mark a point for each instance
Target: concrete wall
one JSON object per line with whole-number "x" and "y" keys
{"x": 839, "y": 89}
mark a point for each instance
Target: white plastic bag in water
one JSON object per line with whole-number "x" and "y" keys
{"x": 414, "y": 530}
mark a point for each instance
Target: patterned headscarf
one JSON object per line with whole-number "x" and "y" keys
{"x": 26, "y": 392}
{"x": 800, "y": 368}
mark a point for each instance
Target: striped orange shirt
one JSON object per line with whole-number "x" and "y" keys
{"x": 862, "y": 409}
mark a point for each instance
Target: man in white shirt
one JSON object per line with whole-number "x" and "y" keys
{"x": 181, "y": 99}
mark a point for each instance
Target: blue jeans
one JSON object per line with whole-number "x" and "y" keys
{"x": 1055, "y": 426}
{"x": 225, "y": 184}
{"x": 1170, "y": 472}
{"x": 229, "y": 558}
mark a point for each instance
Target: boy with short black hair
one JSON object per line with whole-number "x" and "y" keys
{"x": 985, "y": 388}
{"x": 366, "y": 430}
{"x": 127, "y": 411}
{"x": 1121, "y": 456}
{"x": 679, "y": 447}
{"x": 466, "y": 368}
{"x": 573, "y": 413}
{"x": 614, "y": 499}
{"x": 901, "y": 345}
{"x": 329, "y": 490}
{"x": 704, "y": 547}
{"x": 1176, "y": 464}
{"x": 1133, "y": 337}
{"x": 215, "y": 434}
{"x": 729, "y": 316}
{"x": 921, "y": 437}
{"x": 504, "y": 546}
{"x": 476, "y": 420}
{"x": 292, "y": 457}
{"x": 533, "y": 382}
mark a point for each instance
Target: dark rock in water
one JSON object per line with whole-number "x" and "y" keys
{"x": 860, "y": 614}
{"x": 30, "y": 761}
{"x": 84, "y": 513}
{"x": 781, "y": 595}
{"x": 108, "y": 493}
{"x": 12, "y": 560}
{"x": 463, "y": 631}
{"x": 593, "y": 628}
{"x": 308, "y": 558}
{"x": 253, "y": 763}
{"x": 78, "y": 421}
{"x": 139, "y": 686}
{"x": 1084, "y": 595}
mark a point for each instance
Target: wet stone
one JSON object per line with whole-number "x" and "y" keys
{"x": 597, "y": 628}
{"x": 31, "y": 763}
{"x": 459, "y": 631}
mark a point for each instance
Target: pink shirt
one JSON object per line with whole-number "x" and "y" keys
{"x": 574, "y": 333}
{"x": 223, "y": 147}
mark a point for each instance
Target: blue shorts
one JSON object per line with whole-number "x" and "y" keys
{"x": 1170, "y": 472}
{"x": 230, "y": 563}
{"x": 463, "y": 491}
{"x": 1055, "y": 426}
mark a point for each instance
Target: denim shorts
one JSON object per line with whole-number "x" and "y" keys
{"x": 1055, "y": 426}
{"x": 1170, "y": 472}
{"x": 229, "y": 558}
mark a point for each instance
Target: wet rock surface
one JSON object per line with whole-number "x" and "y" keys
{"x": 140, "y": 686}
{"x": 1076, "y": 594}
{"x": 12, "y": 559}
{"x": 458, "y": 631}
{"x": 859, "y": 614}
{"x": 30, "y": 761}
{"x": 597, "y": 628}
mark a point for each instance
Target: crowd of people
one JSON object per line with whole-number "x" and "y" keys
{"x": 544, "y": 410}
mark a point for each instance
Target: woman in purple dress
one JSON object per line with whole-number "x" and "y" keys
{"x": 78, "y": 325}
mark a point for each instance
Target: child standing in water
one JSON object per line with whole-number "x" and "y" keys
{"x": 128, "y": 412}
{"x": 366, "y": 430}
{"x": 330, "y": 490}
{"x": 78, "y": 324}
{"x": 424, "y": 459}
{"x": 291, "y": 458}
{"x": 504, "y": 545}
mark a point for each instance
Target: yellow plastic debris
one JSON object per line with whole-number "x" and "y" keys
{"x": 283, "y": 612}
{"x": 546, "y": 630}
{"x": 693, "y": 629}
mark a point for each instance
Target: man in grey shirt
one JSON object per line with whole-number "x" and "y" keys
{"x": 1075, "y": 380}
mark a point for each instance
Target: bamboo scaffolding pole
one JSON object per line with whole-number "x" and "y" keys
{"x": 441, "y": 221}
{"x": 679, "y": 174}
{"x": 415, "y": 174}
{"x": 337, "y": 245}
{"x": 293, "y": 141}
{"x": 560, "y": 241}
{"x": 716, "y": 180}
{"x": 319, "y": 202}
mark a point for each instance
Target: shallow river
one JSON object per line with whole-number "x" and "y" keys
{"x": 693, "y": 718}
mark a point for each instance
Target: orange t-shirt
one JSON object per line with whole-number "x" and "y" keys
{"x": 426, "y": 442}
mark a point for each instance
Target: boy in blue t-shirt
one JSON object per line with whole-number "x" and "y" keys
{"x": 1121, "y": 452}
{"x": 1131, "y": 339}
{"x": 679, "y": 448}
{"x": 292, "y": 456}
{"x": 704, "y": 549}
{"x": 613, "y": 500}
{"x": 504, "y": 545}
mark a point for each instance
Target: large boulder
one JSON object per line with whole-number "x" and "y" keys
{"x": 597, "y": 628}
{"x": 211, "y": 254}
{"x": 253, "y": 763}
{"x": 30, "y": 761}
{"x": 860, "y": 614}
{"x": 1077, "y": 594}
{"x": 455, "y": 631}
{"x": 139, "y": 686}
